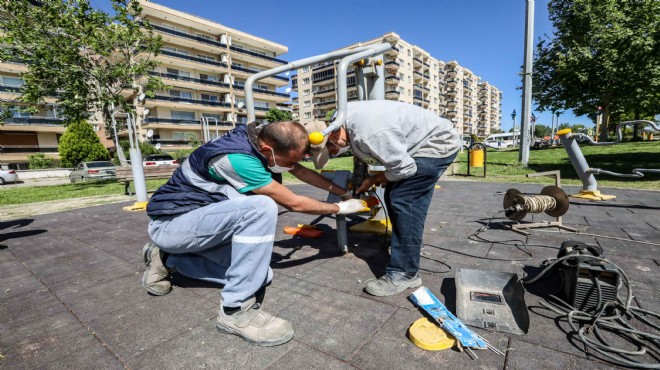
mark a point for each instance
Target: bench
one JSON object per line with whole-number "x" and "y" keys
{"x": 125, "y": 174}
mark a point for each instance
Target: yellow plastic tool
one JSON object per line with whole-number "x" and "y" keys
{"x": 429, "y": 336}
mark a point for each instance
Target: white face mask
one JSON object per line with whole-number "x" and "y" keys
{"x": 343, "y": 150}
{"x": 276, "y": 168}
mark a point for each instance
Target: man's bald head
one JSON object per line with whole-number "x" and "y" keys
{"x": 285, "y": 136}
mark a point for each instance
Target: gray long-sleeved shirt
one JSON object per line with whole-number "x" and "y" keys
{"x": 390, "y": 134}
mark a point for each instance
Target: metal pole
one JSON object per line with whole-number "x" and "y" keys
{"x": 523, "y": 153}
{"x": 136, "y": 161}
{"x": 577, "y": 159}
{"x": 120, "y": 151}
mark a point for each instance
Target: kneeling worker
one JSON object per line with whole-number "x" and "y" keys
{"x": 215, "y": 219}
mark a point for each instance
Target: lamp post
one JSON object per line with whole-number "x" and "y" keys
{"x": 513, "y": 117}
{"x": 557, "y": 113}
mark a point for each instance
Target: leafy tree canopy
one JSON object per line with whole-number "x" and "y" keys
{"x": 602, "y": 53}
{"x": 79, "y": 56}
{"x": 79, "y": 143}
{"x": 277, "y": 115}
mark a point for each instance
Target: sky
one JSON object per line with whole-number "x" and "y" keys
{"x": 485, "y": 36}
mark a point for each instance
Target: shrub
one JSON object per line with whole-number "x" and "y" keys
{"x": 39, "y": 160}
{"x": 79, "y": 143}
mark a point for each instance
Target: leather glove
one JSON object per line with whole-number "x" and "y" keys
{"x": 351, "y": 206}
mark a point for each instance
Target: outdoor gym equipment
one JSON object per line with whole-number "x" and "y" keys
{"x": 586, "y": 173}
{"x": 370, "y": 77}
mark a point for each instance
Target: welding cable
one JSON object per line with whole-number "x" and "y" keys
{"x": 583, "y": 323}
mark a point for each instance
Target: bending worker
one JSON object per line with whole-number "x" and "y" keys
{"x": 415, "y": 146}
{"x": 214, "y": 220}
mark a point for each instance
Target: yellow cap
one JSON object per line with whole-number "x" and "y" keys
{"x": 564, "y": 132}
{"x": 427, "y": 335}
{"x": 315, "y": 138}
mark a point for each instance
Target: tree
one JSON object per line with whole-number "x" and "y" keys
{"x": 328, "y": 116}
{"x": 79, "y": 143}
{"x": 603, "y": 53}
{"x": 39, "y": 160}
{"x": 542, "y": 131}
{"x": 277, "y": 115}
{"x": 81, "y": 56}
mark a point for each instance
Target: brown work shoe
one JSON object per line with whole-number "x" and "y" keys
{"x": 154, "y": 279}
{"x": 255, "y": 325}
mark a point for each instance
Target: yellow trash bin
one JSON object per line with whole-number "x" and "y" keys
{"x": 476, "y": 158}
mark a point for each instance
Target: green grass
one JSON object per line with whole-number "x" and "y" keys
{"x": 502, "y": 166}
{"x": 24, "y": 195}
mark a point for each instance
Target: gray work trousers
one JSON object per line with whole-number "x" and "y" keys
{"x": 228, "y": 243}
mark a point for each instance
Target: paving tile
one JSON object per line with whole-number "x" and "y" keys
{"x": 523, "y": 355}
{"x": 94, "y": 355}
{"x": 19, "y": 295}
{"x": 202, "y": 346}
{"x": 389, "y": 348}
{"x": 331, "y": 321}
{"x": 100, "y": 299}
{"x": 44, "y": 333}
{"x": 300, "y": 356}
{"x": 136, "y": 328}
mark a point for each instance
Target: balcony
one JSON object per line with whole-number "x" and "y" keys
{"x": 417, "y": 75}
{"x": 392, "y": 65}
{"x": 6, "y": 149}
{"x": 329, "y": 102}
{"x": 194, "y": 59}
{"x": 392, "y": 80}
{"x": 170, "y": 121}
{"x": 44, "y": 121}
{"x": 204, "y": 40}
{"x": 395, "y": 93}
{"x": 417, "y": 62}
{"x": 7, "y": 88}
{"x": 176, "y": 99}
{"x": 173, "y": 76}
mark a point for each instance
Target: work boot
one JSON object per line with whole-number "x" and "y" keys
{"x": 392, "y": 283}
{"x": 254, "y": 325}
{"x": 154, "y": 278}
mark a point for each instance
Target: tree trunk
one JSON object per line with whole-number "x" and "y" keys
{"x": 636, "y": 136}
{"x": 602, "y": 135}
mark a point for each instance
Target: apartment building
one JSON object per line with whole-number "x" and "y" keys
{"x": 413, "y": 76}
{"x": 26, "y": 133}
{"x": 204, "y": 64}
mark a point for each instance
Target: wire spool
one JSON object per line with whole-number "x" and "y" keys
{"x": 552, "y": 200}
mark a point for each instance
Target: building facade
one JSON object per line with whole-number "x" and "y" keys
{"x": 204, "y": 64}
{"x": 413, "y": 76}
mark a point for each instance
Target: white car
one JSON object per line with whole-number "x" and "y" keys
{"x": 158, "y": 160}
{"x": 8, "y": 176}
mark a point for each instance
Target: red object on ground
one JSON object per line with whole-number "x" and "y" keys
{"x": 306, "y": 231}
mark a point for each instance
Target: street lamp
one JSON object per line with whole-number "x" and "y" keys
{"x": 513, "y": 116}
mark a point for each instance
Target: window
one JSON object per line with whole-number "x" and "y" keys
{"x": 241, "y": 100}
{"x": 208, "y": 77}
{"x": 308, "y": 103}
{"x": 409, "y": 79}
{"x": 184, "y": 136}
{"x": 178, "y": 73}
{"x": 308, "y": 114}
{"x": 205, "y": 37}
{"x": 12, "y": 81}
{"x": 239, "y": 83}
{"x": 402, "y": 90}
{"x": 211, "y": 115}
{"x": 208, "y": 97}
{"x": 401, "y": 76}
{"x": 174, "y": 28}
{"x": 181, "y": 94}
{"x": 175, "y": 50}
{"x": 409, "y": 92}
{"x": 234, "y": 64}
{"x": 305, "y": 81}
{"x": 207, "y": 57}
{"x": 306, "y": 92}
{"x": 409, "y": 67}
{"x": 260, "y": 104}
{"x": 408, "y": 52}
{"x": 261, "y": 87}
{"x": 305, "y": 69}
{"x": 17, "y": 113}
{"x": 175, "y": 114}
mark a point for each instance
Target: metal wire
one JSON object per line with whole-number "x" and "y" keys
{"x": 539, "y": 203}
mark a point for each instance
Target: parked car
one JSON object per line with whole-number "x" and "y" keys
{"x": 96, "y": 170}
{"x": 8, "y": 176}
{"x": 158, "y": 160}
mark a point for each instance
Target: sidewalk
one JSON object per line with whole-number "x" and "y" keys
{"x": 71, "y": 295}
